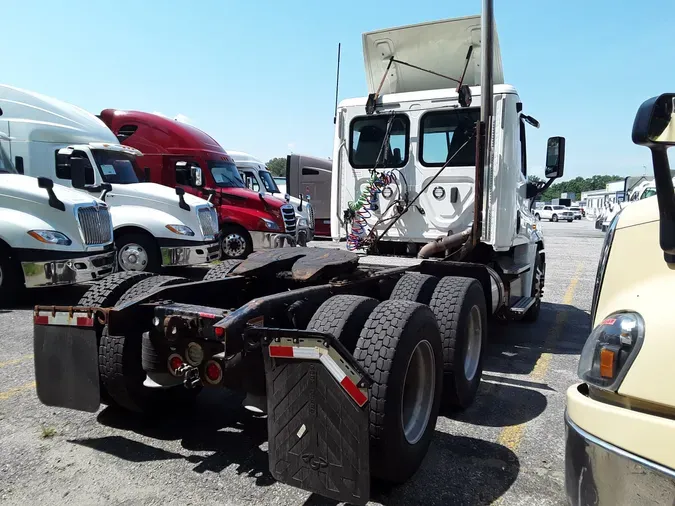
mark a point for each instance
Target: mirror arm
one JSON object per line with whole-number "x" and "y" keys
{"x": 300, "y": 206}
{"x": 541, "y": 190}
{"x": 666, "y": 200}
{"x": 181, "y": 199}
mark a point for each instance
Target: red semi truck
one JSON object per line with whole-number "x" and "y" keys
{"x": 179, "y": 155}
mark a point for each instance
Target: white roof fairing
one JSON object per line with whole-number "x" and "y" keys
{"x": 439, "y": 46}
{"x": 50, "y": 120}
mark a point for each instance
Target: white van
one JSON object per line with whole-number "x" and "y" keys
{"x": 155, "y": 226}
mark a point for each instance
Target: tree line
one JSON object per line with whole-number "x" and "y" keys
{"x": 576, "y": 185}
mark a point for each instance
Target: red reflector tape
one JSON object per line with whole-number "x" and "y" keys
{"x": 83, "y": 321}
{"x": 353, "y": 391}
{"x": 281, "y": 351}
{"x": 41, "y": 320}
{"x": 608, "y": 321}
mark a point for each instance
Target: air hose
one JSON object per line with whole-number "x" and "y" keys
{"x": 360, "y": 210}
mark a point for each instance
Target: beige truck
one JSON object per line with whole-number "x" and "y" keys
{"x": 620, "y": 443}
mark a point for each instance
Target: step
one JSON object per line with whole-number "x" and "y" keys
{"x": 520, "y": 305}
{"x": 510, "y": 267}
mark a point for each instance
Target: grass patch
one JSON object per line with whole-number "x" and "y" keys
{"x": 48, "y": 432}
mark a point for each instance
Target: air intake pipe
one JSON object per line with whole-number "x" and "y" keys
{"x": 444, "y": 243}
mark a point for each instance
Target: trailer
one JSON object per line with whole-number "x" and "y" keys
{"x": 349, "y": 356}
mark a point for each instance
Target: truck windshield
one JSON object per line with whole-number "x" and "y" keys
{"x": 268, "y": 182}
{"x": 116, "y": 167}
{"x": 649, "y": 192}
{"x": 225, "y": 174}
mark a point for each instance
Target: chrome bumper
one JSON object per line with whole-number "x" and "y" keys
{"x": 599, "y": 473}
{"x": 173, "y": 256}
{"x": 269, "y": 240}
{"x": 68, "y": 272}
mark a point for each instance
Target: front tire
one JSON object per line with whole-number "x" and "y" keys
{"x": 400, "y": 347}
{"x": 537, "y": 217}
{"x": 459, "y": 306}
{"x": 235, "y": 243}
{"x": 138, "y": 253}
{"x": 10, "y": 277}
{"x": 554, "y": 217}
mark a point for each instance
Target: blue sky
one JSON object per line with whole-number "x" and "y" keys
{"x": 260, "y": 76}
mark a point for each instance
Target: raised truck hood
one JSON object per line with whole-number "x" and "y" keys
{"x": 440, "y": 46}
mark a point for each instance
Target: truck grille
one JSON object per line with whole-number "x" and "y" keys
{"x": 288, "y": 214}
{"x": 95, "y": 224}
{"x": 310, "y": 215}
{"x": 208, "y": 220}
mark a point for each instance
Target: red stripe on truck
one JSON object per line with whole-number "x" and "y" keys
{"x": 41, "y": 320}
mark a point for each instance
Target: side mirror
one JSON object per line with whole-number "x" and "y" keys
{"x": 555, "y": 157}
{"x": 308, "y": 197}
{"x": 78, "y": 172}
{"x": 654, "y": 124}
{"x": 654, "y": 127}
{"x": 196, "y": 176}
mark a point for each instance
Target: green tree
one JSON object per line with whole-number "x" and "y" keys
{"x": 277, "y": 166}
{"x": 578, "y": 185}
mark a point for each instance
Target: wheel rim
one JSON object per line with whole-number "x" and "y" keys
{"x": 418, "y": 392}
{"x": 474, "y": 343}
{"x": 234, "y": 245}
{"x": 133, "y": 257}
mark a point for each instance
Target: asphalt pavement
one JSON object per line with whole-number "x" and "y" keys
{"x": 507, "y": 448}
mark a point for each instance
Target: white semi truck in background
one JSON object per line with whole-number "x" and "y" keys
{"x": 258, "y": 178}
{"x": 49, "y": 235}
{"x": 154, "y": 226}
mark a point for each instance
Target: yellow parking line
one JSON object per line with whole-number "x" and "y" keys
{"x": 16, "y": 390}
{"x": 512, "y": 435}
{"x": 16, "y": 360}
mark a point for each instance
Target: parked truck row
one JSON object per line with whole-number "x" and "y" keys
{"x": 350, "y": 355}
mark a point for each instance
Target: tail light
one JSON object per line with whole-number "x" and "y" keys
{"x": 213, "y": 372}
{"x": 175, "y": 363}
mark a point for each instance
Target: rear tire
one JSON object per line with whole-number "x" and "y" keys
{"x": 415, "y": 287}
{"x": 122, "y": 375}
{"x": 11, "y": 277}
{"x": 343, "y": 316}
{"x": 147, "y": 285}
{"x": 108, "y": 291}
{"x": 221, "y": 270}
{"x": 400, "y": 347}
{"x": 459, "y": 306}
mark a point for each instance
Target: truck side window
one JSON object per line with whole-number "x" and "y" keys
{"x": 183, "y": 174}
{"x": 310, "y": 172}
{"x": 367, "y": 147}
{"x": 63, "y": 166}
{"x": 448, "y": 134}
{"x": 251, "y": 181}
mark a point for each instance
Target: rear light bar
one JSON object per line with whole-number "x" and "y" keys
{"x": 317, "y": 349}
{"x": 65, "y": 318}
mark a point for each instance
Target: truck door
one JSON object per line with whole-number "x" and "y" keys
{"x": 179, "y": 173}
{"x": 5, "y": 148}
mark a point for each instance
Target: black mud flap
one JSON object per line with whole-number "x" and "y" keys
{"x": 318, "y": 434}
{"x": 66, "y": 366}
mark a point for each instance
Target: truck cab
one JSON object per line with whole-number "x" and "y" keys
{"x": 154, "y": 226}
{"x": 178, "y": 154}
{"x": 310, "y": 175}
{"x": 619, "y": 418}
{"x": 259, "y": 179}
{"x": 49, "y": 235}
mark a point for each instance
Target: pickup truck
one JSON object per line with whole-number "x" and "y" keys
{"x": 554, "y": 213}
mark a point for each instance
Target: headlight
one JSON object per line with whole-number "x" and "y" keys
{"x": 602, "y": 264}
{"x": 269, "y": 224}
{"x": 611, "y": 349}
{"x": 181, "y": 230}
{"x": 50, "y": 237}
{"x": 302, "y": 222}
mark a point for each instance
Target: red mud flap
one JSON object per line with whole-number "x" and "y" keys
{"x": 318, "y": 414}
{"x": 66, "y": 360}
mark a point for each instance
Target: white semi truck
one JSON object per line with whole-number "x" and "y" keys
{"x": 365, "y": 348}
{"x": 155, "y": 226}
{"x": 49, "y": 234}
{"x": 258, "y": 178}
